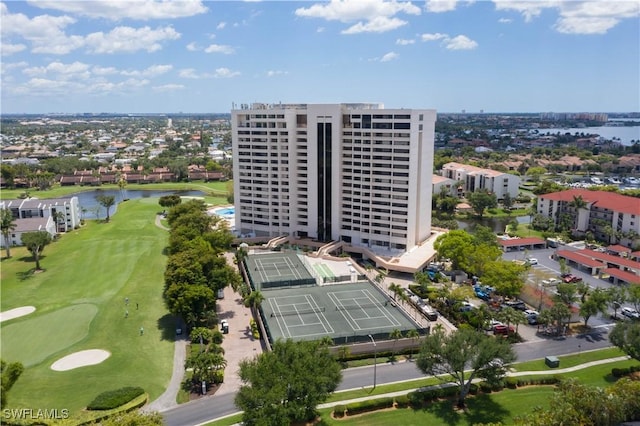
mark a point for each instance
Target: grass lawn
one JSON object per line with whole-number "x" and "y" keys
{"x": 492, "y": 408}
{"x": 569, "y": 360}
{"x": 79, "y": 301}
{"x": 214, "y": 191}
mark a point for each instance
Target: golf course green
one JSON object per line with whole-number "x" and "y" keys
{"x": 80, "y": 305}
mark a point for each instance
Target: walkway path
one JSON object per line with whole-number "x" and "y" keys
{"x": 510, "y": 374}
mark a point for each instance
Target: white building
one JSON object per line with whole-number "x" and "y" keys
{"x": 356, "y": 173}
{"x": 443, "y": 184}
{"x": 54, "y": 215}
{"x": 608, "y": 216}
{"x": 474, "y": 178}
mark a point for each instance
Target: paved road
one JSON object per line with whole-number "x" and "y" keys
{"x": 204, "y": 410}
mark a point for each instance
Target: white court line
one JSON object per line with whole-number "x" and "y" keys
{"x": 385, "y": 312}
{"x": 283, "y": 321}
{"x": 312, "y": 302}
{"x": 336, "y": 301}
{"x": 273, "y": 309}
{"x": 295, "y": 273}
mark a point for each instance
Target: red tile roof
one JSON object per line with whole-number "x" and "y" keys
{"x": 514, "y": 242}
{"x": 580, "y": 258}
{"x": 602, "y": 199}
{"x": 609, "y": 258}
{"x": 619, "y": 249}
{"x": 623, "y": 275}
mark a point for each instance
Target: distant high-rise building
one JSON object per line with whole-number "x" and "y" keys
{"x": 356, "y": 173}
{"x": 169, "y": 123}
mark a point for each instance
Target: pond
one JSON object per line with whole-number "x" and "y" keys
{"x": 87, "y": 200}
{"x": 496, "y": 224}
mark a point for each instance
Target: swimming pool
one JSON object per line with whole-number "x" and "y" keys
{"x": 228, "y": 211}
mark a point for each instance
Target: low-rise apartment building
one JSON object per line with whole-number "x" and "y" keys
{"x": 54, "y": 215}
{"x": 474, "y": 178}
{"x": 609, "y": 216}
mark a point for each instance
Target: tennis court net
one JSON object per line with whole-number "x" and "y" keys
{"x": 298, "y": 312}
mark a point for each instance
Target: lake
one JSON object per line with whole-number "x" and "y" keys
{"x": 87, "y": 200}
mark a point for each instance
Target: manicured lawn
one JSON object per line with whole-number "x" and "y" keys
{"x": 492, "y": 408}
{"x": 79, "y": 301}
{"x": 569, "y": 360}
{"x": 215, "y": 190}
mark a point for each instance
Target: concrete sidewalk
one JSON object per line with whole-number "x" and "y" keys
{"x": 510, "y": 374}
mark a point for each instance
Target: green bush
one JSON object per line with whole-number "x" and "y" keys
{"x": 370, "y": 405}
{"x": 217, "y": 337}
{"x": 218, "y": 376}
{"x": 403, "y": 401}
{"x": 511, "y": 382}
{"x": 486, "y": 387}
{"x": 338, "y": 411}
{"x": 473, "y": 389}
{"x": 115, "y": 398}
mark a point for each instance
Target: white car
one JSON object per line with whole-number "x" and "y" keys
{"x": 531, "y": 260}
{"x": 531, "y": 312}
{"x": 630, "y": 313}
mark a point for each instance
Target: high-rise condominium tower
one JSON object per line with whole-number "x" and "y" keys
{"x": 357, "y": 173}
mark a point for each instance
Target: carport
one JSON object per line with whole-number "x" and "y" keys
{"x": 519, "y": 244}
{"x": 620, "y": 276}
{"x": 621, "y": 263}
{"x": 581, "y": 261}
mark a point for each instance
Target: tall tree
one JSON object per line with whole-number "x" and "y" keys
{"x": 626, "y": 336}
{"x": 9, "y": 373}
{"x": 597, "y": 302}
{"x": 506, "y": 277}
{"x": 287, "y": 384}
{"x": 35, "y": 243}
{"x": 464, "y": 355}
{"x": 616, "y": 296}
{"x": 482, "y": 200}
{"x": 106, "y": 201}
{"x": 7, "y": 225}
{"x": 396, "y": 335}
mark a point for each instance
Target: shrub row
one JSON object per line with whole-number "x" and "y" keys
{"x": 115, "y": 398}
{"x": 621, "y": 372}
{"x": 369, "y": 405}
{"x": 421, "y": 397}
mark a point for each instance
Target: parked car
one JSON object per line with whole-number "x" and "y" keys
{"x": 503, "y": 329}
{"x": 531, "y": 260}
{"x": 224, "y": 326}
{"x": 630, "y": 313}
{"x": 529, "y": 312}
{"x": 515, "y": 304}
{"x": 571, "y": 279}
{"x": 492, "y": 323}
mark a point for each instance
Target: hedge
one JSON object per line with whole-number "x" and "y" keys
{"x": 402, "y": 401}
{"x": 338, "y": 411}
{"x": 621, "y": 372}
{"x": 115, "y": 398}
{"x": 369, "y": 405}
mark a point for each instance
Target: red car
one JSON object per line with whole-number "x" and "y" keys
{"x": 502, "y": 329}
{"x": 571, "y": 279}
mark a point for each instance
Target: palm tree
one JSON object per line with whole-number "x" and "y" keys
{"x": 7, "y": 224}
{"x": 395, "y": 335}
{"x": 60, "y": 220}
{"x": 395, "y": 289}
{"x": 414, "y": 336}
{"x": 253, "y": 300}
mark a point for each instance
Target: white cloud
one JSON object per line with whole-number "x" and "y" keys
{"x": 219, "y": 48}
{"x": 379, "y": 24}
{"x": 73, "y": 71}
{"x": 45, "y": 33}
{"x": 460, "y": 43}
{"x": 577, "y": 17}
{"x": 320, "y": 29}
{"x": 368, "y": 15}
{"x": 193, "y": 47}
{"x": 168, "y": 87}
{"x": 433, "y": 36}
{"x": 151, "y": 71}
{"x": 272, "y": 73}
{"x": 9, "y": 49}
{"x": 98, "y": 70}
{"x": 188, "y": 73}
{"x": 225, "y": 73}
{"x": 221, "y": 25}
{"x": 128, "y": 39}
{"x": 437, "y": 6}
{"x": 389, "y": 57}
{"x": 117, "y": 10}
{"x": 505, "y": 20}
{"x": 404, "y": 42}
{"x": 6, "y": 67}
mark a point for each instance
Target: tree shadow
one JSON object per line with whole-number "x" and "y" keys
{"x": 25, "y": 275}
{"x": 168, "y": 324}
{"x": 483, "y": 409}
{"x": 444, "y": 410}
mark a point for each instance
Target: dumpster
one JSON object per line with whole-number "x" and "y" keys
{"x": 552, "y": 361}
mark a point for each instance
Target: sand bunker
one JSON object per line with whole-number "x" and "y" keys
{"x": 17, "y": 312}
{"x": 80, "y": 359}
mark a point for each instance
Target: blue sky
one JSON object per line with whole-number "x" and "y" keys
{"x": 199, "y": 56}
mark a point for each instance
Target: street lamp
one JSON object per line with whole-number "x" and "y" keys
{"x": 375, "y": 360}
